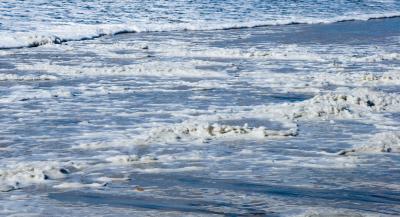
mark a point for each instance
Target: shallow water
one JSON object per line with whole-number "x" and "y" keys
{"x": 219, "y": 122}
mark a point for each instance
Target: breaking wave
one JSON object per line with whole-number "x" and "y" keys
{"x": 77, "y": 32}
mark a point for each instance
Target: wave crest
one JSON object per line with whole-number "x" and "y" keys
{"x": 76, "y": 32}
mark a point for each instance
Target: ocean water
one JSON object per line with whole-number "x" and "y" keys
{"x": 199, "y": 108}
{"x": 31, "y": 23}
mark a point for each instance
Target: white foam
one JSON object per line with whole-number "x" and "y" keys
{"x": 60, "y": 33}
{"x": 170, "y": 170}
{"x": 93, "y": 145}
{"x": 329, "y": 212}
{"x": 105, "y": 179}
{"x": 380, "y": 56}
{"x": 203, "y": 131}
{"x": 162, "y": 69}
{"x": 386, "y": 142}
{"x": 129, "y": 159}
{"x": 19, "y": 175}
{"x": 391, "y": 77}
{"x": 321, "y": 161}
{"x": 25, "y": 93}
{"x": 15, "y": 77}
{"x": 4, "y": 53}
{"x": 344, "y": 103}
{"x": 284, "y": 52}
{"x": 78, "y": 185}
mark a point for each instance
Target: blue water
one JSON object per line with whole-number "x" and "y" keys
{"x": 95, "y": 123}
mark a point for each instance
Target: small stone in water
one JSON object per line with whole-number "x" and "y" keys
{"x": 138, "y": 188}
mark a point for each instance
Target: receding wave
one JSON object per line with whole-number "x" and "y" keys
{"x": 77, "y": 32}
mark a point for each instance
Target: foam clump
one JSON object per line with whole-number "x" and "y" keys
{"x": 390, "y": 77}
{"x": 372, "y": 77}
{"x": 24, "y": 175}
{"x": 351, "y": 103}
{"x": 14, "y": 77}
{"x": 128, "y": 159}
{"x": 386, "y": 142}
{"x": 153, "y": 69}
{"x": 207, "y": 131}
